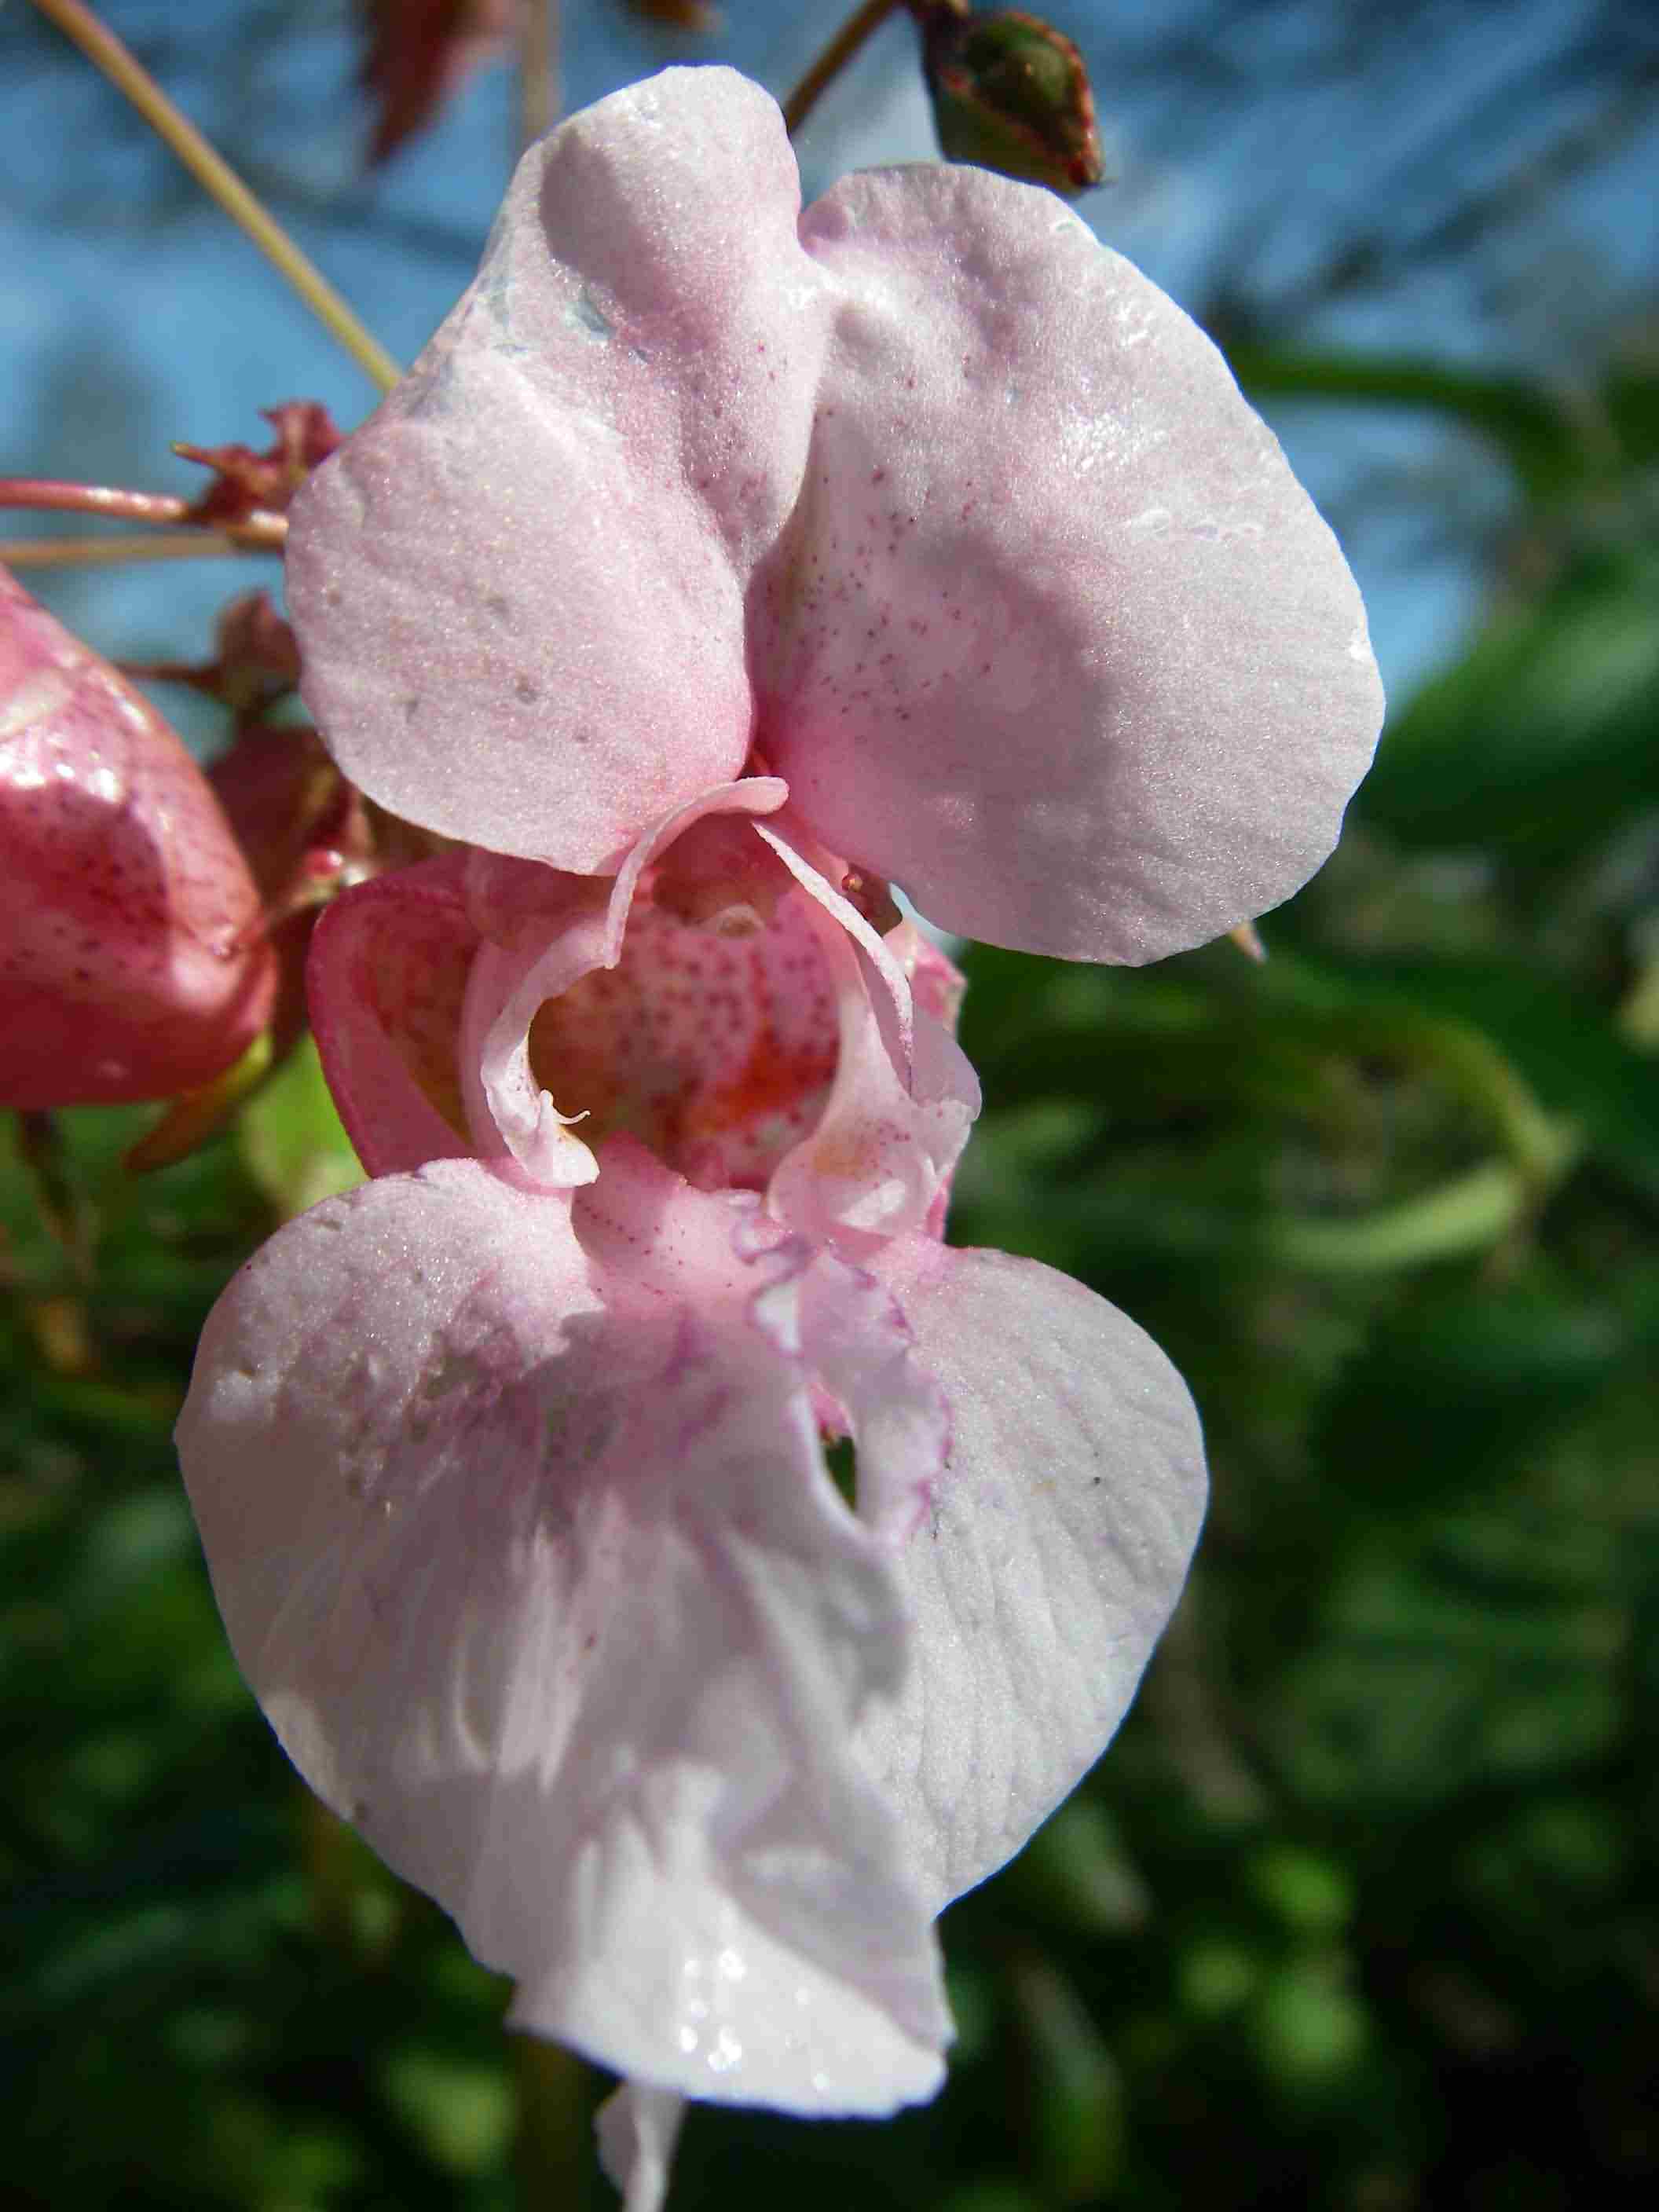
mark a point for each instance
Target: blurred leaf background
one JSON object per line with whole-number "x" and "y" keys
{"x": 1360, "y": 1911}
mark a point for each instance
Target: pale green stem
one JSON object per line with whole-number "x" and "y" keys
{"x": 1468, "y": 1062}
{"x": 538, "y": 69}
{"x": 216, "y": 177}
{"x": 1538, "y": 1146}
{"x": 1467, "y": 1215}
{"x": 110, "y": 552}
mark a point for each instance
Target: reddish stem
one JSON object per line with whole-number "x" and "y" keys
{"x": 92, "y": 498}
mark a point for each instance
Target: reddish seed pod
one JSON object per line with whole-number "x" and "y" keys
{"x": 133, "y": 959}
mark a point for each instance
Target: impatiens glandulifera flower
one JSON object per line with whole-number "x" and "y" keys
{"x": 133, "y": 958}
{"x": 510, "y": 1465}
{"x": 924, "y": 497}
{"x": 716, "y": 567}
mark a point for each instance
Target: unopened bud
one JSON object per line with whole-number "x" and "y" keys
{"x": 133, "y": 960}
{"x": 1010, "y": 93}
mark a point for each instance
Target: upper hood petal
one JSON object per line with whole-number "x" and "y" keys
{"x": 1054, "y": 638}
{"x": 519, "y": 587}
{"x": 935, "y": 499}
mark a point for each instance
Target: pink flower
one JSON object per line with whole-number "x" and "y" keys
{"x": 133, "y": 958}
{"x": 708, "y": 572}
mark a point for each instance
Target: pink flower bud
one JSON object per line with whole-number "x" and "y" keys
{"x": 133, "y": 961}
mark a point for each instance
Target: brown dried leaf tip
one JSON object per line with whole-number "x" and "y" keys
{"x": 419, "y": 52}
{"x": 678, "y": 14}
{"x": 250, "y": 483}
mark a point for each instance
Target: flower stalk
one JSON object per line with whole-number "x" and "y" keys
{"x": 216, "y": 177}
{"x": 1470, "y": 1213}
{"x": 54, "y": 496}
{"x": 538, "y": 69}
{"x": 111, "y": 552}
{"x": 259, "y": 530}
{"x": 861, "y": 25}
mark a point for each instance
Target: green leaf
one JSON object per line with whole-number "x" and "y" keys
{"x": 1450, "y": 1388}
{"x": 1526, "y": 422}
{"x": 292, "y": 1139}
{"x": 1546, "y": 731}
{"x": 1567, "y": 1051}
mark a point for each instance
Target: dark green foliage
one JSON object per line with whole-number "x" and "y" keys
{"x": 1548, "y": 732}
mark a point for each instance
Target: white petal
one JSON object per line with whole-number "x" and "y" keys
{"x": 1057, "y": 1544}
{"x": 637, "y": 2128}
{"x": 525, "y": 1541}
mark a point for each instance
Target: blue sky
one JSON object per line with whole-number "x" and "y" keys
{"x": 131, "y": 313}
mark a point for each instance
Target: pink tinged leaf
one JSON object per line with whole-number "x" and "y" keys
{"x": 387, "y": 980}
{"x": 133, "y": 961}
{"x": 1053, "y": 638}
{"x": 611, "y": 427}
{"x": 518, "y": 1518}
{"x": 1057, "y": 1544}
